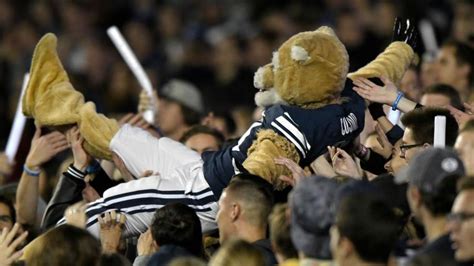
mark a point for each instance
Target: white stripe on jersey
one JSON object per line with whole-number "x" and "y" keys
{"x": 290, "y": 138}
{"x": 308, "y": 146}
{"x": 294, "y": 130}
{"x": 245, "y": 135}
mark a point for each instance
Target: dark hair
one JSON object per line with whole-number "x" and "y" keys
{"x": 280, "y": 234}
{"x": 10, "y": 206}
{"x": 464, "y": 55}
{"x": 369, "y": 223}
{"x": 448, "y": 91}
{"x": 421, "y": 122}
{"x": 201, "y": 129}
{"x": 64, "y": 245}
{"x": 178, "y": 224}
{"x": 256, "y": 196}
{"x": 115, "y": 259}
{"x": 465, "y": 183}
{"x": 439, "y": 203}
{"x": 190, "y": 116}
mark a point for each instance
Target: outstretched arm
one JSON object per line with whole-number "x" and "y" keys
{"x": 388, "y": 94}
{"x": 43, "y": 148}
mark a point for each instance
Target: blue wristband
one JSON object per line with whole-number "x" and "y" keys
{"x": 395, "y": 103}
{"x": 30, "y": 172}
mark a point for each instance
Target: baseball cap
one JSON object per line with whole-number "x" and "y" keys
{"x": 429, "y": 168}
{"x": 183, "y": 93}
{"x": 312, "y": 215}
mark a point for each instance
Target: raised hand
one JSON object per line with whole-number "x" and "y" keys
{"x": 386, "y": 146}
{"x": 145, "y": 244}
{"x": 5, "y": 166}
{"x": 111, "y": 227}
{"x": 81, "y": 158}
{"x": 374, "y": 93}
{"x": 76, "y": 214}
{"x": 9, "y": 243}
{"x": 460, "y": 116}
{"x": 344, "y": 164}
{"x": 297, "y": 173}
{"x": 43, "y": 148}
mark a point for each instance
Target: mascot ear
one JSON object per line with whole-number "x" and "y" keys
{"x": 299, "y": 54}
{"x": 263, "y": 78}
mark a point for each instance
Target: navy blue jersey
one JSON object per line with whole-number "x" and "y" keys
{"x": 310, "y": 130}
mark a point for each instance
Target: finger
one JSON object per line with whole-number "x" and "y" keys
{"x": 15, "y": 256}
{"x": 343, "y": 153}
{"x": 331, "y": 151}
{"x": 469, "y": 108}
{"x": 37, "y": 133}
{"x": 287, "y": 180}
{"x": 19, "y": 240}
{"x": 113, "y": 217}
{"x": 59, "y": 149}
{"x": 107, "y": 217}
{"x": 101, "y": 221}
{"x": 359, "y": 83}
{"x": 369, "y": 83}
{"x": 4, "y": 234}
{"x": 59, "y": 143}
{"x": 122, "y": 218}
{"x": 126, "y": 118}
{"x": 385, "y": 80}
{"x": 12, "y": 234}
{"x": 134, "y": 119}
{"x": 147, "y": 173}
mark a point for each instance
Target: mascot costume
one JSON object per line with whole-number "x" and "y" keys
{"x": 306, "y": 110}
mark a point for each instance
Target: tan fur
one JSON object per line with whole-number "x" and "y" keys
{"x": 268, "y": 146}
{"x": 52, "y": 100}
{"x": 317, "y": 81}
{"x": 392, "y": 63}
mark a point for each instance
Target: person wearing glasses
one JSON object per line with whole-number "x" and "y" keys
{"x": 432, "y": 175}
{"x": 419, "y": 130}
{"x": 461, "y": 221}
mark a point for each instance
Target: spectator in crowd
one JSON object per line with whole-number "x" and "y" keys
{"x": 465, "y": 146}
{"x": 176, "y": 232}
{"x": 238, "y": 252}
{"x": 410, "y": 84}
{"x": 441, "y": 95}
{"x": 7, "y": 213}
{"x": 455, "y": 67}
{"x": 365, "y": 228}
{"x": 311, "y": 218}
{"x": 180, "y": 107}
{"x": 419, "y": 130}
{"x": 432, "y": 175}
{"x": 280, "y": 235}
{"x": 461, "y": 222}
{"x": 244, "y": 207}
{"x": 66, "y": 244}
{"x": 202, "y": 138}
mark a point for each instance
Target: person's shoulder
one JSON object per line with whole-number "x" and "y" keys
{"x": 437, "y": 252}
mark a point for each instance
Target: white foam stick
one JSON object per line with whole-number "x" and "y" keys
{"x": 428, "y": 35}
{"x": 19, "y": 121}
{"x": 394, "y": 116}
{"x": 439, "y": 131}
{"x": 136, "y": 68}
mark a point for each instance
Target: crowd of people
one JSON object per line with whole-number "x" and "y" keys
{"x": 162, "y": 197}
